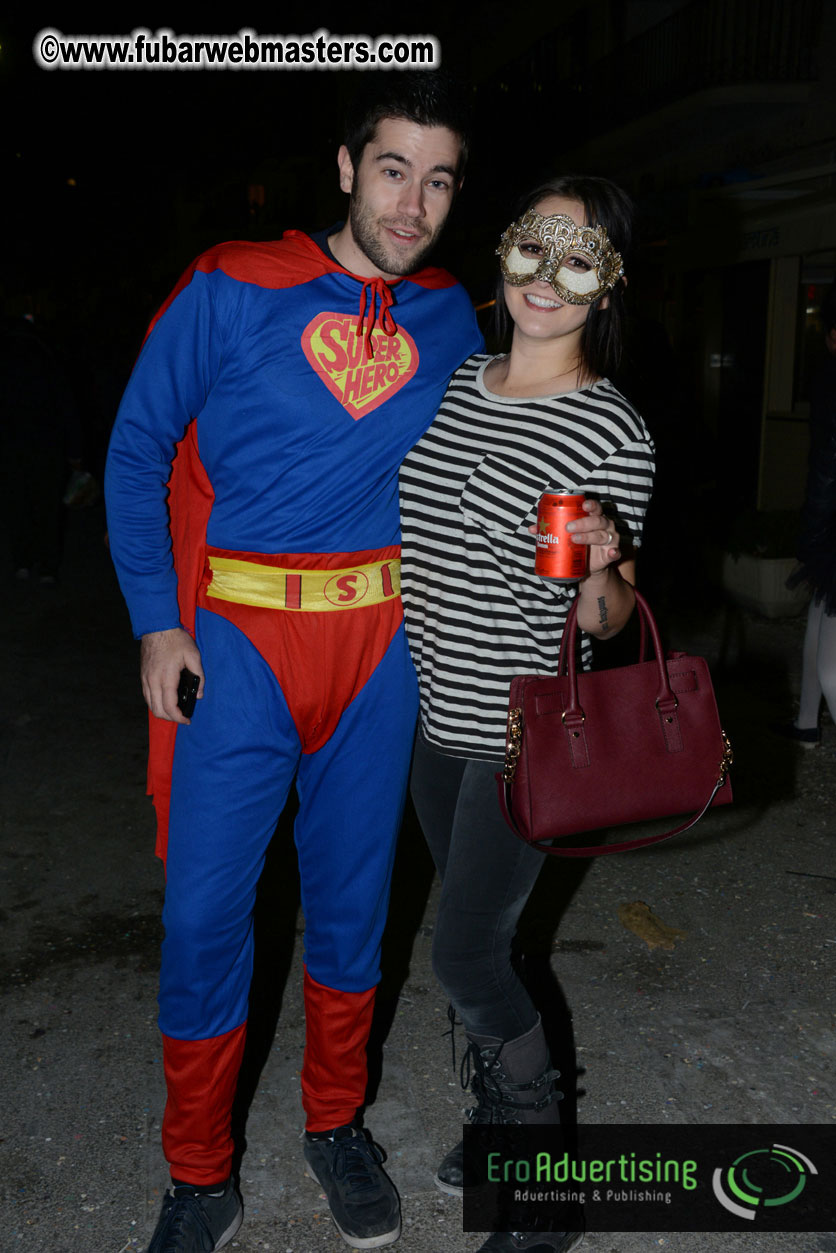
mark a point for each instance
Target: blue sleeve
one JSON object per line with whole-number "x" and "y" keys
{"x": 169, "y": 386}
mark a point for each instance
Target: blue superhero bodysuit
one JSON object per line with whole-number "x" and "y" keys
{"x": 291, "y": 391}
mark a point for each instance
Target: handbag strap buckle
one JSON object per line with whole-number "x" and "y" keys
{"x": 670, "y": 703}
{"x": 726, "y": 760}
{"x": 513, "y": 744}
{"x": 577, "y": 715}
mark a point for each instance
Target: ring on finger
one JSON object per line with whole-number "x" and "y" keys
{"x": 609, "y": 537}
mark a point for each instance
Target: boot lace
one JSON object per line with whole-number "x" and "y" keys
{"x": 481, "y": 1071}
{"x": 454, "y": 1022}
{"x": 497, "y": 1098}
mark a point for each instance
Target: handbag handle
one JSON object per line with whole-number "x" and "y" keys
{"x": 666, "y": 702}
{"x": 642, "y": 633}
{"x": 600, "y": 850}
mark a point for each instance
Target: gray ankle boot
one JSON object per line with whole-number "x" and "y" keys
{"x": 513, "y": 1082}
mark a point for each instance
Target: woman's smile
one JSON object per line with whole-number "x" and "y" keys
{"x": 542, "y": 302}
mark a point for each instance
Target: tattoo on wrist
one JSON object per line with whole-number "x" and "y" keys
{"x": 602, "y": 613}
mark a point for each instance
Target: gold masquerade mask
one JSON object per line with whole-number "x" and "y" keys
{"x": 579, "y": 262}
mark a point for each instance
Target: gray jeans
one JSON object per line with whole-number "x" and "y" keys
{"x": 487, "y": 874}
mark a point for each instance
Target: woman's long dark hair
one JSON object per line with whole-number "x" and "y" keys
{"x": 605, "y": 205}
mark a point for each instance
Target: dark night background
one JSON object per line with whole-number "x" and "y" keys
{"x": 161, "y": 161}
{"x": 115, "y": 180}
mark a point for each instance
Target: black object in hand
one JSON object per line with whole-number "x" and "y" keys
{"x": 187, "y": 692}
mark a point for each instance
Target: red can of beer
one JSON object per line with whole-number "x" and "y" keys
{"x": 557, "y": 556}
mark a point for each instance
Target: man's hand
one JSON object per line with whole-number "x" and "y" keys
{"x": 163, "y": 654}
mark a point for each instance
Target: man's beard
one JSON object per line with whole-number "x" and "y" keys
{"x": 364, "y": 229}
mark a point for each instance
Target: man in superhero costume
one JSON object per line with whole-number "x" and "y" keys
{"x": 286, "y": 381}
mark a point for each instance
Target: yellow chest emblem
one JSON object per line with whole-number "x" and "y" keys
{"x": 338, "y": 354}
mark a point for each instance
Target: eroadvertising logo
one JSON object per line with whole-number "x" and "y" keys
{"x": 762, "y": 1177}
{"x": 650, "y": 1177}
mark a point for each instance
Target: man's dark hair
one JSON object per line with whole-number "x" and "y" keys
{"x": 606, "y": 205}
{"x": 428, "y": 97}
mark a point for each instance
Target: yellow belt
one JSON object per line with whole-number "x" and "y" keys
{"x": 304, "y": 591}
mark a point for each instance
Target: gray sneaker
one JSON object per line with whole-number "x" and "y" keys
{"x": 361, "y": 1196}
{"x": 197, "y": 1222}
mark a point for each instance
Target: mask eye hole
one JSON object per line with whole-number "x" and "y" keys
{"x": 519, "y": 264}
{"x": 530, "y": 248}
{"x": 577, "y": 263}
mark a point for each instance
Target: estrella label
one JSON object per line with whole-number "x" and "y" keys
{"x": 338, "y": 354}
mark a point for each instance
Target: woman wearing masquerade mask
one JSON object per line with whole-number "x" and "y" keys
{"x": 542, "y": 418}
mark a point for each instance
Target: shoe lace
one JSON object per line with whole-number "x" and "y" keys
{"x": 185, "y": 1210}
{"x": 354, "y": 1161}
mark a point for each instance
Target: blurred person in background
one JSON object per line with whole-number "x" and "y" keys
{"x": 816, "y": 549}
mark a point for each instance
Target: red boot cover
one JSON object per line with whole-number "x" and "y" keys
{"x": 201, "y": 1076}
{"x": 334, "y": 1072}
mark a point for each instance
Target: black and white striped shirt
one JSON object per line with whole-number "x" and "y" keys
{"x": 476, "y": 613}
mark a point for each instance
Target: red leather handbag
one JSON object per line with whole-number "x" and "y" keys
{"x": 597, "y": 749}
